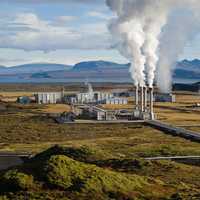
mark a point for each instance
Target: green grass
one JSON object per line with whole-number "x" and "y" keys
{"x": 25, "y": 132}
{"x": 54, "y": 170}
{"x": 82, "y": 173}
{"x": 104, "y": 151}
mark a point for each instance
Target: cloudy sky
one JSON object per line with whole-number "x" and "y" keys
{"x": 68, "y": 31}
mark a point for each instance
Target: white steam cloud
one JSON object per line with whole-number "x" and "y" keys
{"x": 145, "y": 34}
{"x": 180, "y": 30}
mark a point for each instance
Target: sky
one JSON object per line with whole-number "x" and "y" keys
{"x": 60, "y": 31}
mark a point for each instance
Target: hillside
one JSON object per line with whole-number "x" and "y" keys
{"x": 33, "y": 68}
{"x": 98, "y": 65}
{"x": 96, "y": 71}
{"x": 70, "y": 174}
{"x": 193, "y": 65}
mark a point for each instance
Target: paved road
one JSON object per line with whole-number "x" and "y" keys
{"x": 8, "y": 154}
{"x": 6, "y": 162}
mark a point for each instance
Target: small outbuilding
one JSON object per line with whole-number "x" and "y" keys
{"x": 165, "y": 97}
{"x": 24, "y": 100}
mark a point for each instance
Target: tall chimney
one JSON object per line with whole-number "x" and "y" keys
{"x": 142, "y": 99}
{"x": 145, "y": 99}
{"x": 136, "y": 97}
{"x": 151, "y": 103}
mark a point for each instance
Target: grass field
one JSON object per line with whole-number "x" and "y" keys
{"x": 178, "y": 113}
{"x": 181, "y": 112}
{"x": 12, "y": 96}
{"x": 56, "y": 108}
{"x": 117, "y": 147}
{"x": 23, "y": 128}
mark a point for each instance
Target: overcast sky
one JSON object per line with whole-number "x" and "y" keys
{"x": 59, "y": 31}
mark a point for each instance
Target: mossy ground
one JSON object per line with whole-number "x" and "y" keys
{"x": 80, "y": 173}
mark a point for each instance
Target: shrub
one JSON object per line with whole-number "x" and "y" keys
{"x": 3, "y": 198}
{"x": 17, "y": 180}
{"x": 83, "y": 153}
{"x": 61, "y": 171}
{"x": 65, "y": 173}
{"x": 176, "y": 196}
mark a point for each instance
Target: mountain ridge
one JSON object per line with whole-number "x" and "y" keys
{"x": 101, "y": 70}
{"x": 33, "y": 68}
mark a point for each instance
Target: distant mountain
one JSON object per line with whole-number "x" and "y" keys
{"x": 93, "y": 70}
{"x": 186, "y": 73}
{"x": 187, "y": 69}
{"x": 40, "y": 75}
{"x": 33, "y": 68}
{"x": 98, "y": 66}
{"x": 189, "y": 65}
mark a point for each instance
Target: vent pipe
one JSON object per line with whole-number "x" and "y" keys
{"x": 145, "y": 99}
{"x": 151, "y": 103}
{"x": 136, "y": 97}
{"x": 142, "y": 98}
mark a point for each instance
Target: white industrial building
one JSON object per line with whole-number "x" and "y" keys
{"x": 96, "y": 97}
{"x": 100, "y": 114}
{"x": 48, "y": 97}
{"x": 165, "y": 97}
{"x": 115, "y": 101}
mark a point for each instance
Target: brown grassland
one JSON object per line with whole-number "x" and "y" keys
{"x": 118, "y": 148}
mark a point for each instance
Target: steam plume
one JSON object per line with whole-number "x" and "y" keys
{"x": 130, "y": 38}
{"x": 139, "y": 28}
{"x": 90, "y": 90}
{"x": 181, "y": 29}
{"x": 138, "y": 31}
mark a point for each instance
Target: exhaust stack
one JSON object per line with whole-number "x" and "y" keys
{"x": 144, "y": 103}
{"x": 142, "y": 98}
{"x": 145, "y": 99}
{"x": 136, "y": 97}
{"x": 151, "y": 103}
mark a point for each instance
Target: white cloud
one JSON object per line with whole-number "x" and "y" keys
{"x": 65, "y": 19}
{"x": 97, "y": 14}
{"x": 28, "y": 32}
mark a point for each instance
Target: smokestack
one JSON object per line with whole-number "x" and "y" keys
{"x": 151, "y": 103}
{"x": 136, "y": 97}
{"x": 142, "y": 99}
{"x": 145, "y": 99}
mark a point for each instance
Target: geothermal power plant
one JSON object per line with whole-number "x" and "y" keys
{"x": 144, "y": 103}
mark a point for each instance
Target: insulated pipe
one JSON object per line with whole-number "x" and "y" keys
{"x": 142, "y": 99}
